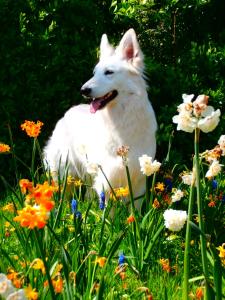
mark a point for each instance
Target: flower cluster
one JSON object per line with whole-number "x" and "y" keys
{"x": 148, "y": 167}
{"x": 196, "y": 114}
{"x": 32, "y": 129}
{"x": 175, "y": 219}
{"x": 212, "y": 156}
{"x": 38, "y": 204}
{"x": 4, "y": 148}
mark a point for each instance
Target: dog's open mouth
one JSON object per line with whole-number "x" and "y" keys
{"x": 99, "y": 103}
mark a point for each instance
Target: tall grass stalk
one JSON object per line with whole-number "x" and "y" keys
{"x": 187, "y": 245}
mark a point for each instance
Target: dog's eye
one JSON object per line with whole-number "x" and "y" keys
{"x": 108, "y": 72}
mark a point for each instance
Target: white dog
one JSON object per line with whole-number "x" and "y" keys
{"x": 119, "y": 114}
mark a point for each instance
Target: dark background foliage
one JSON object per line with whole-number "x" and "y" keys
{"x": 49, "y": 47}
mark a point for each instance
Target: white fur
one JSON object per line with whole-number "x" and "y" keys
{"x": 127, "y": 120}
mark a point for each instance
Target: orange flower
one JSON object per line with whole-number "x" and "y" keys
{"x": 130, "y": 219}
{"x": 212, "y": 204}
{"x": 43, "y": 194}
{"x": 25, "y": 185}
{"x": 4, "y": 148}
{"x": 17, "y": 280}
{"x": 32, "y": 129}
{"x": 101, "y": 261}
{"x": 199, "y": 293}
{"x": 30, "y": 293}
{"x": 122, "y": 275}
{"x": 58, "y": 284}
{"x": 32, "y": 216}
{"x": 156, "y": 204}
{"x": 165, "y": 263}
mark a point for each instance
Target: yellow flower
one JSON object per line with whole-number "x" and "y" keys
{"x": 38, "y": 264}
{"x": 222, "y": 250}
{"x": 9, "y": 207}
{"x": 30, "y": 293}
{"x": 160, "y": 186}
{"x": 101, "y": 261}
{"x": 4, "y": 148}
{"x": 121, "y": 192}
{"x": 32, "y": 129}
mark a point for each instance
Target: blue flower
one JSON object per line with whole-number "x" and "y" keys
{"x": 121, "y": 260}
{"x": 169, "y": 184}
{"x": 74, "y": 206}
{"x": 214, "y": 184}
{"x": 102, "y": 201}
{"x": 78, "y": 215}
{"x": 223, "y": 199}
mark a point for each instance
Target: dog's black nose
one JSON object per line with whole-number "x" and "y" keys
{"x": 85, "y": 91}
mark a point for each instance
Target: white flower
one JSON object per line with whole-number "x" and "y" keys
{"x": 6, "y": 286}
{"x": 92, "y": 168}
{"x": 187, "y": 178}
{"x": 221, "y": 142}
{"x": 82, "y": 149}
{"x": 178, "y": 194}
{"x": 18, "y": 295}
{"x": 196, "y": 115}
{"x": 185, "y": 121}
{"x": 148, "y": 167}
{"x": 175, "y": 219}
{"x": 210, "y": 121}
{"x": 214, "y": 169}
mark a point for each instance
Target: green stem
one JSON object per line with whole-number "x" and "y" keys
{"x": 33, "y": 159}
{"x": 147, "y": 194}
{"x": 130, "y": 191}
{"x": 187, "y": 245}
{"x": 152, "y": 189}
{"x": 200, "y": 216}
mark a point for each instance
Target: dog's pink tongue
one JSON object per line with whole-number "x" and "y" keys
{"x": 94, "y": 106}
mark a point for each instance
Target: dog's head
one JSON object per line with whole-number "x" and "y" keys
{"x": 116, "y": 71}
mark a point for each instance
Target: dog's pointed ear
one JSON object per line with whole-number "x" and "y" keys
{"x": 130, "y": 50}
{"x": 105, "y": 48}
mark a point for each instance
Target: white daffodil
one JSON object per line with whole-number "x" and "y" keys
{"x": 188, "y": 178}
{"x": 178, "y": 194}
{"x": 214, "y": 169}
{"x": 210, "y": 121}
{"x": 196, "y": 114}
{"x": 148, "y": 167}
{"x": 92, "y": 168}
{"x": 185, "y": 121}
{"x": 221, "y": 143}
{"x": 175, "y": 219}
